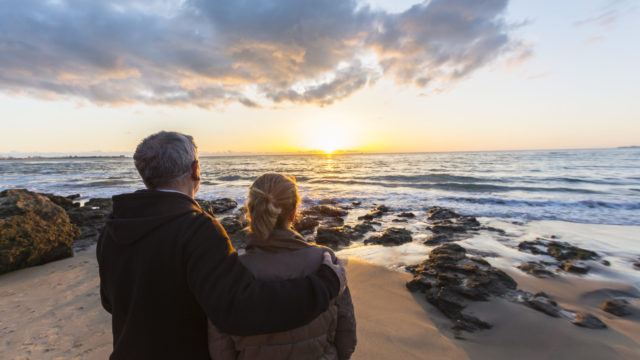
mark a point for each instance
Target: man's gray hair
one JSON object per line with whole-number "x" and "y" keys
{"x": 165, "y": 157}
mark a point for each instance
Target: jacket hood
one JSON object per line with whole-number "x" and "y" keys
{"x": 137, "y": 214}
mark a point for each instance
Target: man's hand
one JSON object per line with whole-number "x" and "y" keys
{"x": 338, "y": 268}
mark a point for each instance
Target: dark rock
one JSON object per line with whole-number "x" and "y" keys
{"x": 470, "y": 323}
{"x": 356, "y": 203}
{"x": 484, "y": 254}
{"x": 565, "y": 251}
{"x": 306, "y": 224}
{"x": 217, "y": 206}
{"x": 618, "y": 307}
{"x": 328, "y": 202}
{"x": 589, "y": 321}
{"x": 536, "y": 269}
{"x": 334, "y": 237}
{"x": 636, "y": 265}
{"x": 542, "y": 294}
{"x": 447, "y": 228}
{"x": 561, "y": 251}
{"x": 541, "y": 302}
{"x": 90, "y": 218}
{"x": 399, "y": 220}
{"x": 390, "y": 237}
{"x": 575, "y": 267}
{"x": 533, "y": 247}
{"x": 440, "y": 213}
{"x": 408, "y": 215}
{"x": 377, "y": 212}
{"x": 238, "y": 238}
{"x": 324, "y": 211}
{"x": 332, "y": 221}
{"x": 449, "y": 223}
{"x": 33, "y": 230}
{"x": 364, "y": 227}
{"x": 232, "y": 224}
{"x": 469, "y": 222}
{"x": 370, "y": 216}
{"x": 605, "y": 262}
{"x": 450, "y": 280}
{"x": 64, "y": 202}
{"x": 480, "y": 261}
{"x": 448, "y": 252}
{"x": 437, "y": 239}
{"x": 100, "y": 203}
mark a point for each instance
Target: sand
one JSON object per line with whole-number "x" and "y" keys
{"x": 53, "y": 312}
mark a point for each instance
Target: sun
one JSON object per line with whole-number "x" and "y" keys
{"x": 328, "y": 147}
{"x": 327, "y": 138}
{"x": 328, "y": 134}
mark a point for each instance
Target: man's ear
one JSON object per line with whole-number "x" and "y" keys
{"x": 195, "y": 170}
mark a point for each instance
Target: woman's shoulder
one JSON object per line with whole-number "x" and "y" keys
{"x": 321, "y": 249}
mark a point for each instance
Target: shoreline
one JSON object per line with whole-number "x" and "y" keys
{"x": 53, "y": 311}
{"x": 431, "y": 281}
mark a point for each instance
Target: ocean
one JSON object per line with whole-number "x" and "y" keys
{"x": 583, "y": 186}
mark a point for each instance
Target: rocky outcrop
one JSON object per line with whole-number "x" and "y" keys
{"x": 561, "y": 251}
{"x": 439, "y": 213}
{"x": 377, "y": 212}
{"x": 235, "y": 226}
{"x": 232, "y": 224}
{"x": 217, "y": 206}
{"x": 543, "y": 303}
{"x": 391, "y": 237}
{"x": 325, "y": 215}
{"x": 408, "y": 215}
{"x": 90, "y": 219}
{"x": 324, "y": 211}
{"x": 576, "y": 267}
{"x": 65, "y": 202}
{"x": 450, "y": 280}
{"x": 334, "y": 237}
{"x": 33, "y": 230}
{"x": 448, "y": 226}
{"x": 570, "y": 258}
{"x": 537, "y": 269}
{"x": 306, "y": 224}
{"x": 617, "y": 307}
{"x": 588, "y": 321}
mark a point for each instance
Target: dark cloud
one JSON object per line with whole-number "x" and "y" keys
{"x": 249, "y": 51}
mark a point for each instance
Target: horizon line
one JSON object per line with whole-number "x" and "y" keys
{"x": 116, "y": 154}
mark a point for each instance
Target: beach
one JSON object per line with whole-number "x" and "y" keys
{"x": 456, "y": 255}
{"x": 53, "y": 312}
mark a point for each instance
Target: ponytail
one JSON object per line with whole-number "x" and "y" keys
{"x": 272, "y": 200}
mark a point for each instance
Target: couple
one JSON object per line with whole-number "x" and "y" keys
{"x": 177, "y": 289}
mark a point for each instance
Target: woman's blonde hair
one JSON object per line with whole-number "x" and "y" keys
{"x": 272, "y": 202}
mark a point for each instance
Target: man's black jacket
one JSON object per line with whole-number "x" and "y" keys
{"x": 166, "y": 266}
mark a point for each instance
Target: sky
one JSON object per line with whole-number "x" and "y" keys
{"x": 241, "y": 76}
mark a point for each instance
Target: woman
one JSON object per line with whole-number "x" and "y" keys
{"x": 275, "y": 252}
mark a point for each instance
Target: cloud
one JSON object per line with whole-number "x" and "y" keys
{"x": 255, "y": 52}
{"x": 608, "y": 14}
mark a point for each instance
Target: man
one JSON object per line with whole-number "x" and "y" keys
{"x": 166, "y": 266}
